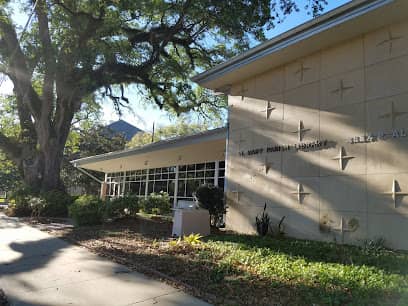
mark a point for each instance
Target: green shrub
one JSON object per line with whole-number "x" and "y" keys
{"x": 212, "y": 198}
{"x": 19, "y": 205}
{"x": 156, "y": 203}
{"x": 56, "y": 203}
{"x": 87, "y": 210}
{"x": 121, "y": 207}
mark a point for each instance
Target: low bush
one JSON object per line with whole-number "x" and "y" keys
{"x": 56, "y": 203}
{"x": 24, "y": 203}
{"x": 156, "y": 203}
{"x": 121, "y": 207}
{"x": 19, "y": 205}
{"x": 212, "y": 198}
{"x": 87, "y": 210}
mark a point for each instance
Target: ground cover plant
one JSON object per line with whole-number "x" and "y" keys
{"x": 230, "y": 269}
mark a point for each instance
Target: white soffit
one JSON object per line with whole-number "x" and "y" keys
{"x": 202, "y": 147}
{"x": 348, "y": 21}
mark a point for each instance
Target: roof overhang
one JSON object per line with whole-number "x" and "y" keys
{"x": 202, "y": 147}
{"x": 348, "y": 21}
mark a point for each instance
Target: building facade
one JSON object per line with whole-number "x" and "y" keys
{"x": 176, "y": 166}
{"x": 318, "y": 124}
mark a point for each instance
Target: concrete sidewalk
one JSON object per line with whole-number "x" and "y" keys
{"x": 38, "y": 269}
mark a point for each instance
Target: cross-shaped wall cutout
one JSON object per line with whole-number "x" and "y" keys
{"x": 342, "y": 158}
{"x": 300, "y": 193}
{"x": 301, "y": 130}
{"x": 268, "y": 110}
{"x": 395, "y": 192}
{"x": 341, "y": 89}
{"x": 301, "y": 71}
{"x": 390, "y": 41}
{"x": 393, "y": 115}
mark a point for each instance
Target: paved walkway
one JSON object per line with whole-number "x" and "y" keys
{"x": 39, "y": 269}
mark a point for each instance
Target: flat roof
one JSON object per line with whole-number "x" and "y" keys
{"x": 135, "y": 158}
{"x": 345, "y": 22}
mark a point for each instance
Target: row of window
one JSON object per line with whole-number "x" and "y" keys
{"x": 143, "y": 182}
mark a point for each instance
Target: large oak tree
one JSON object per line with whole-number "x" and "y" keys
{"x": 74, "y": 48}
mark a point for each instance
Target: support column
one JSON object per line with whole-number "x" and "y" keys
{"x": 147, "y": 183}
{"x": 217, "y": 173}
{"x": 176, "y": 187}
{"x": 104, "y": 188}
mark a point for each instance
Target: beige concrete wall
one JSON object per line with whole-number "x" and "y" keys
{"x": 338, "y": 93}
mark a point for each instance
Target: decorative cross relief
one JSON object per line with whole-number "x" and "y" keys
{"x": 341, "y": 89}
{"x": 393, "y": 114}
{"x": 301, "y": 71}
{"x": 300, "y": 193}
{"x": 395, "y": 192}
{"x": 342, "y": 158}
{"x": 390, "y": 41}
{"x": 301, "y": 130}
{"x": 268, "y": 109}
{"x": 342, "y": 228}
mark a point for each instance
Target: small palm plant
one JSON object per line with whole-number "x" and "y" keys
{"x": 263, "y": 222}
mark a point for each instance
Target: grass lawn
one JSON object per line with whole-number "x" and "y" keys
{"x": 230, "y": 269}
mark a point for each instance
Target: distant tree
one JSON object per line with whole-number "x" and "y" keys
{"x": 9, "y": 174}
{"x": 180, "y": 128}
{"x": 84, "y": 143}
{"x": 74, "y": 48}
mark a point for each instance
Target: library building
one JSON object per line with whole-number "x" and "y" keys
{"x": 317, "y": 130}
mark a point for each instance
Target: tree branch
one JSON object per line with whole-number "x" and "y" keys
{"x": 49, "y": 59}
{"x": 18, "y": 70}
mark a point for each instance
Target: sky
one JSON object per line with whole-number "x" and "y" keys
{"x": 142, "y": 114}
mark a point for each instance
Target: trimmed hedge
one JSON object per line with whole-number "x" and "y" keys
{"x": 156, "y": 203}
{"x": 121, "y": 207}
{"x": 87, "y": 210}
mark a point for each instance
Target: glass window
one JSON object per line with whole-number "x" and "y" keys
{"x": 171, "y": 188}
{"x": 191, "y": 167}
{"x": 142, "y": 188}
{"x": 200, "y": 166}
{"x": 150, "y": 188}
{"x": 209, "y": 173}
{"x": 181, "y": 188}
{"x": 221, "y": 183}
{"x": 210, "y": 165}
{"x": 222, "y": 164}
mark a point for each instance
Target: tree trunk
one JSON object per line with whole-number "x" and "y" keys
{"x": 42, "y": 172}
